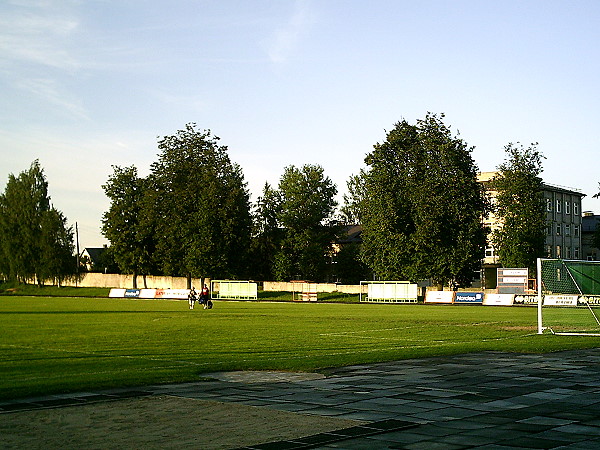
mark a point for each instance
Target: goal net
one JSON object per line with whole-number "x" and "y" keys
{"x": 568, "y": 297}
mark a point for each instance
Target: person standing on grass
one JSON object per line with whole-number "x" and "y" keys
{"x": 204, "y": 294}
{"x": 192, "y": 297}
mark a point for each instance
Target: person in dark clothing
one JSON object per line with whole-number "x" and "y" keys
{"x": 204, "y": 296}
{"x": 192, "y": 297}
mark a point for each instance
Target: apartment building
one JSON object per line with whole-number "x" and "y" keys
{"x": 563, "y": 233}
{"x": 563, "y": 230}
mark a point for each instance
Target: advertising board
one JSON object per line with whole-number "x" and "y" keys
{"x": 181, "y": 294}
{"x": 560, "y": 300}
{"x": 439, "y": 297}
{"x": 469, "y": 297}
{"x": 117, "y": 293}
{"x": 499, "y": 299}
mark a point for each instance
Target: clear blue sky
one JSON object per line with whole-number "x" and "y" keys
{"x": 86, "y": 84}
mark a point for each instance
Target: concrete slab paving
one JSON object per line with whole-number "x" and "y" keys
{"x": 485, "y": 401}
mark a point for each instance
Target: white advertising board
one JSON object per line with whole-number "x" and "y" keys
{"x": 439, "y": 297}
{"x": 181, "y": 294}
{"x": 117, "y": 293}
{"x": 499, "y": 299}
{"x": 514, "y": 280}
{"x": 147, "y": 293}
{"x": 560, "y": 300}
{"x": 515, "y": 273}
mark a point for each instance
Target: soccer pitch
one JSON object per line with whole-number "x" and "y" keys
{"x": 54, "y": 345}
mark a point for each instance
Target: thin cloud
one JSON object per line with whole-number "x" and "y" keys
{"x": 47, "y": 90}
{"x": 191, "y": 102}
{"x": 286, "y": 38}
{"x": 36, "y": 34}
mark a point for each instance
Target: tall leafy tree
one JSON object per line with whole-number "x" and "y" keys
{"x": 423, "y": 206}
{"x": 57, "y": 252}
{"x": 201, "y": 205}
{"x": 350, "y": 269}
{"x": 307, "y": 204}
{"x": 122, "y": 224}
{"x": 266, "y": 234}
{"x": 350, "y": 212}
{"x": 520, "y": 207}
{"x": 35, "y": 241}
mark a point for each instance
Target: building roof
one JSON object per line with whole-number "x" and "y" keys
{"x": 94, "y": 253}
{"x": 485, "y": 177}
{"x": 351, "y": 234}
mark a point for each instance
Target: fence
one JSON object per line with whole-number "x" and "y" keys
{"x": 112, "y": 280}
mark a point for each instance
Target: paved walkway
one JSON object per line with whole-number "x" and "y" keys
{"x": 484, "y": 401}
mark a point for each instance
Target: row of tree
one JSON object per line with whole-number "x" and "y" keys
{"x": 192, "y": 216}
{"x": 35, "y": 241}
{"x": 417, "y": 199}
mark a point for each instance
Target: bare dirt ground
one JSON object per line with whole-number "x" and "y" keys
{"x": 157, "y": 422}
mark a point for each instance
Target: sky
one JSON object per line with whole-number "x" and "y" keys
{"x": 90, "y": 84}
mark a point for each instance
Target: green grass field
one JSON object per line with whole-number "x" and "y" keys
{"x": 54, "y": 345}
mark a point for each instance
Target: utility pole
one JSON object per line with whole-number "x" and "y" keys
{"x": 77, "y": 259}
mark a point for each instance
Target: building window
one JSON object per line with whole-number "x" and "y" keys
{"x": 558, "y": 253}
{"x": 567, "y": 207}
{"x": 567, "y": 229}
{"x": 576, "y": 230}
{"x": 568, "y": 252}
{"x": 558, "y": 204}
{"x": 548, "y": 251}
{"x": 548, "y": 205}
{"x": 576, "y": 208}
{"x": 558, "y": 227}
{"x": 576, "y": 253}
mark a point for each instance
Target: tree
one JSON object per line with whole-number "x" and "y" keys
{"x": 123, "y": 223}
{"x": 57, "y": 258}
{"x": 307, "y": 204}
{"x": 423, "y": 206}
{"x": 350, "y": 212}
{"x": 520, "y": 207}
{"x": 267, "y": 235}
{"x": 35, "y": 241}
{"x": 350, "y": 269}
{"x": 201, "y": 207}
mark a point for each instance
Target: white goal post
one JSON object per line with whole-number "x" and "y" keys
{"x": 568, "y": 297}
